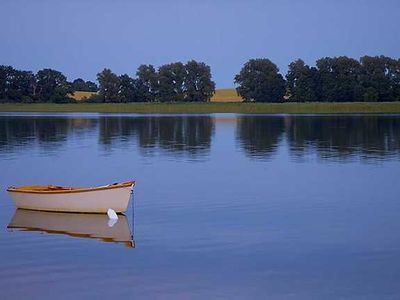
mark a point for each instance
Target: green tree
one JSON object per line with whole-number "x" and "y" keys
{"x": 370, "y": 95}
{"x": 380, "y": 77}
{"x": 16, "y": 85}
{"x": 302, "y": 82}
{"x": 81, "y": 85}
{"x": 171, "y": 79}
{"x": 127, "y": 89}
{"x": 5, "y": 78}
{"x": 22, "y": 86}
{"x": 91, "y": 86}
{"x": 339, "y": 79}
{"x": 259, "y": 80}
{"x": 109, "y": 85}
{"x": 394, "y": 73}
{"x": 198, "y": 84}
{"x": 52, "y": 86}
{"x": 147, "y": 83}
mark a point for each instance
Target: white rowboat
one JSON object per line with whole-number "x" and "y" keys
{"x": 71, "y": 199}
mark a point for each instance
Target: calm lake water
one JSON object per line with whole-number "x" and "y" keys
{"x": 226, "y": 206}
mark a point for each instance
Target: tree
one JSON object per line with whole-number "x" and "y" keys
{"x": 5, "y": 78}
{"x": 79, "y": 85}
{"x": 259, "y": 80}
{"x": 22, "y": 86}
{"x": 171, "y": 79}
{"x": 396, "y": 81}
{"x": 370, "y": 95}
{"x": 302, "y": 82}
{"x": 109, "y": 84}
{"x": 147, "y": 83}
{"x": 82, "y": 85}
{"x": 127, "y": 89}
{"x": 380, "y": 77}
{"x": 198, "y": 83}
{"x": 91, "y": 86}
{"x": 394, "y": 74}
{"x": 52, "y": 86}
{"x": 339, "y": 79}
{"x": 16, "y": 85}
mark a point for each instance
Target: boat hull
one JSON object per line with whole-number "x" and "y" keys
{"x": 95, "y": 201}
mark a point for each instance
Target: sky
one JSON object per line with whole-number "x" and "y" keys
{"x": 81, "y": 37}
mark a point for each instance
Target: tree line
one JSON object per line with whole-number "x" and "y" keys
{"x": 47, "y": 85}
{"x": 333, "y": 79}
{"x": 173, "y": 82}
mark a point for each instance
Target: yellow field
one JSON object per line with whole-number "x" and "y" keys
{"x": 221, "y": 95}
{"x": 226, "y": 95}
{"x": 78, "y": 95}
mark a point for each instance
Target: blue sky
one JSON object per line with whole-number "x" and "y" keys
{"x": 82, "y": 37}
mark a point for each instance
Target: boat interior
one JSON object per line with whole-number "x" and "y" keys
{"x": 56, "y": 188}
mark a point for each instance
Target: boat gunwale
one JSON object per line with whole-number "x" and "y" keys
{"x": 68, "y": 190}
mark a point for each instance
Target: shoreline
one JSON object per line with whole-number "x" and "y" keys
{"x": 248, "y": 108}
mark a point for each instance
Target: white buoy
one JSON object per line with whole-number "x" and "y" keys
{"x": 112, "y": 214}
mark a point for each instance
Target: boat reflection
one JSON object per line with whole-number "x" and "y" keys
{"x": 91, "y": 226}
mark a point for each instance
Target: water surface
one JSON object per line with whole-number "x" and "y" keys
{"x": 226, "y": 206}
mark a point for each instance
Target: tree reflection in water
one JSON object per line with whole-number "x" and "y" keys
{"x": 189, "y": 135}
{"x": 340, "y": 137}
{"x": 329, "y": 137}
{"x": 178, "y": 135}
{"x": 49, "y": 133}
{"x": 259, "y": 136}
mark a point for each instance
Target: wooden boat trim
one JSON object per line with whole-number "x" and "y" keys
{"x": 51, "y": 189}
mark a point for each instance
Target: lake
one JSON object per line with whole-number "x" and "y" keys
{"x": 225, "y": 206}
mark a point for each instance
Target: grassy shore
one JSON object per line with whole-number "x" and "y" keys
{"x": 354, "y": 107}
